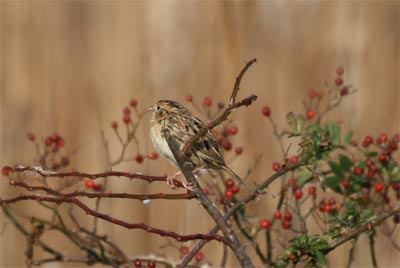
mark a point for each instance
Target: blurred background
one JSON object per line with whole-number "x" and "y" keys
{"x": 71, "y": 66}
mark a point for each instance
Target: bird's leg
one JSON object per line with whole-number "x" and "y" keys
{"x": 170, "y": 180}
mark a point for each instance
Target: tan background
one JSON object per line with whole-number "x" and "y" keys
{"x": 72, "y": 66}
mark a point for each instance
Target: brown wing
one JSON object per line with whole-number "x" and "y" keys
{"x": 206, "y": 151}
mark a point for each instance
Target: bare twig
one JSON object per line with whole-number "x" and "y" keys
{"x": 145, "y": 227}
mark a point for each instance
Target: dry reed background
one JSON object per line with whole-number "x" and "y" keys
{"x": 72, "y": 66}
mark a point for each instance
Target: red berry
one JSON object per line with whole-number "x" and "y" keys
{"x": 97, "y": 186}
{"x": 286, "y": 224}
{"x": 133, "y": 103}
{"x": 239, "y": 150}
{"x": 229, "y": 194}
{"x": 152, "y": 156}
{"x": 298, "y": 194}
{"x": 396, "y": 218}
{"x": 89, "y": 184}
{"x": 346, "y": 183}
{"x": 358, "y": 170}
{"x": 288, "y": 216}
{"x": 379, "y": 187}
{"x": 151, "y": 264}
{"x": 126, "y": 111}
{"x": 64, "y": 161}
{"x": 344, "y": 91}
{"x": 369, "y": 162}
{"x": 233, "y": 130}
{"x": 332, "y": 201}
{"x": 137, "y": 263}
{"x": 215, "y": 133}
{"x": 48, "y": 141}
{"x": 338, "y": 81}
{"x": 339, "y": 70}
{"x": 383, "y": 137}
{"x": 126, "y": 119}
{"x": 266, "y": 111}
{"x": 396, "y": 186}
{"x": 265, "y": 224}
{"x": 396, "y": 138}
{"x": 60, "y": 142}
{"x": 207, "y": 101}
{"x": 189, "y": 98}
{"x": 312, "y": 93}
{"x": 327, "y": 208}
{"x": 227, "y": 145}
{"x": 31, "y": 136}
{"x": 114, "y": 125}
{"x": 230, "y": 183}
{"x": 294, "y": 160}
{"x": 277, "y": 215}
{"x": 276, "y": 166}
{"x": 184, "y": 250}
{"x": 139, "y": 159}
{"x": 310, "y": 114}
{"x": 205, "y": 191}
{"x": 383, "y": 158}
{"x": 55, "y": 166}
{"x": 6, "y": 171}
{"x": 235, "y": 189}
{"x": 292, "y": 182}
{"x": 312, "y": 190}
{"x": 367, "y": 141}
{"x": 199, "y": 256}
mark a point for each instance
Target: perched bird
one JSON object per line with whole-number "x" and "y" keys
{"x": 182, "y": 125}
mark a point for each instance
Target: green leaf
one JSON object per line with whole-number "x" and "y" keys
{"x": 304, "y": 175}
{"x": 334, "y": 184}
{"x": 336, "y": 169}
{"x": 291, "y": 119}
{"x": 320, "y": 257}
{"x": 300, "y": 123}
{"x": 334, "y": 132}
{"x": 345, "y": 162}
{"x": 348, "y": 138}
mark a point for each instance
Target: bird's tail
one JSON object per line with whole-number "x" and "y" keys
{"x": 237, "y": 178}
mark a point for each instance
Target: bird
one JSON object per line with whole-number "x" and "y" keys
{"x": 205, "y": 154}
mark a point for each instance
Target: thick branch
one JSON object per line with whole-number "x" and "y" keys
{"x": 233, "y": 241}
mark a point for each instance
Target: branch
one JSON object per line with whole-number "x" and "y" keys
{"x": 231, "y": 212}
{"x": 233, "y": 105}
{"x": 233, "y": 241}
{"x": 362, "y": 229}
{"x": 189, "y": 195}
{"x": 50, "y": 173}
{"x": 236, "y": 87}
{"x": 108, "y": 218}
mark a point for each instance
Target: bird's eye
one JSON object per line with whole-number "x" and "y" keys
{"x": 158, "y": 108}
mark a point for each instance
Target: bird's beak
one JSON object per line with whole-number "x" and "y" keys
{"x": 151, "y": 108}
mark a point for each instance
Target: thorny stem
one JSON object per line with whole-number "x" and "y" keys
{"x": 129, "y": 175}
{"x": 188, "y": 195}
{"x": 113, "y": 220}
